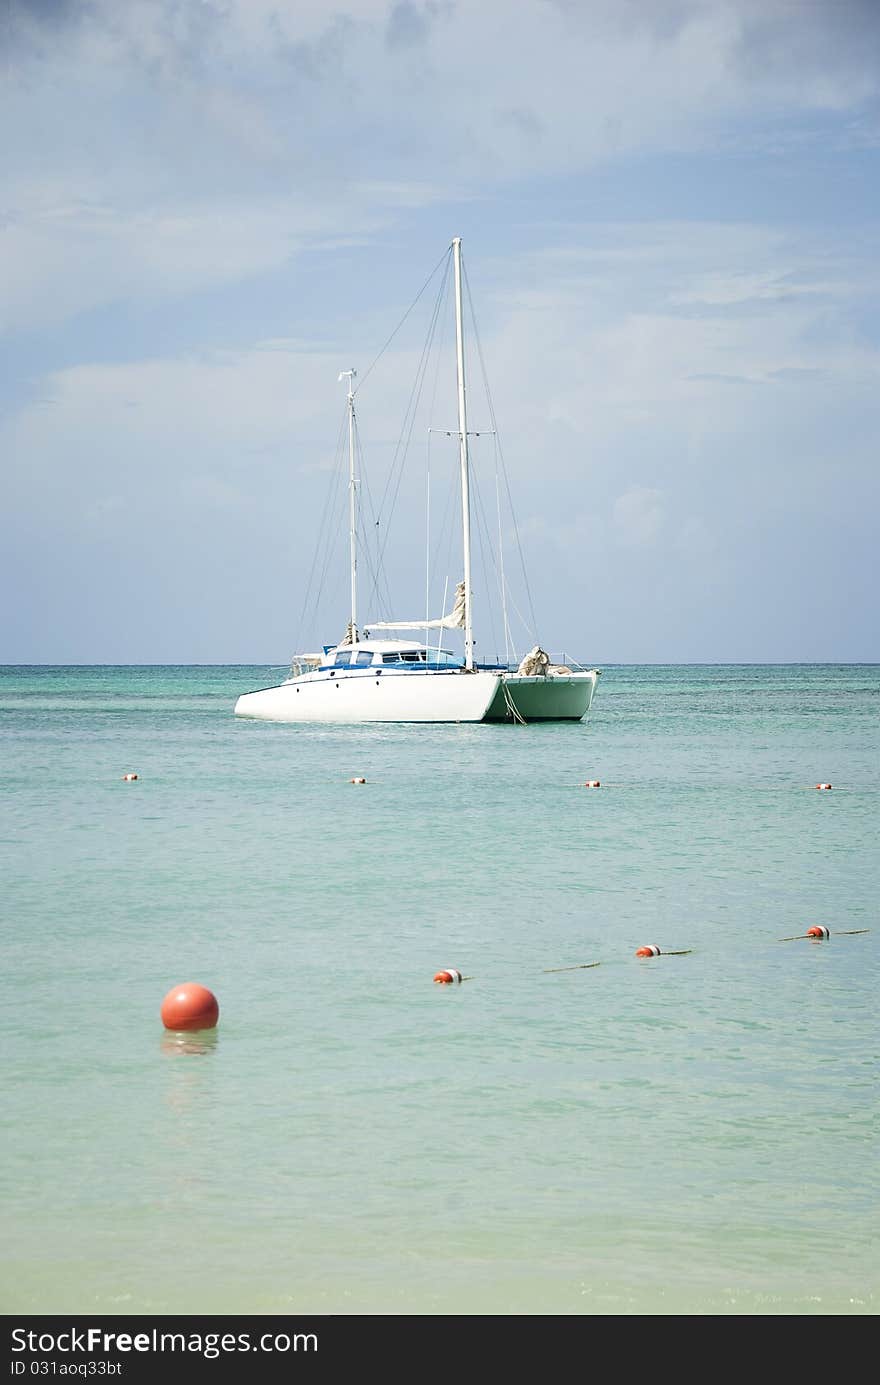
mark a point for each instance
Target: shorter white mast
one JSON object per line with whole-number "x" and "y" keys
{"x": 463, "y": 445}
{"x": 352, "y": 504}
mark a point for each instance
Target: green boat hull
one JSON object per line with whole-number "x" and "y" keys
{"x": 553, "y": 697}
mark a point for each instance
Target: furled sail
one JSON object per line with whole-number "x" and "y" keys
{"x": 351, "y": 635}
{"x": 452, "y": 621}
{"x": 535, "y": 663}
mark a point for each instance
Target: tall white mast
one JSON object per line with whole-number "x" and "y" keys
{"x": 463, "y": 446}
{"x": 352, "y": 503}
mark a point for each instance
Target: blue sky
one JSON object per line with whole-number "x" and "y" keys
{"x": 669, "y": 213}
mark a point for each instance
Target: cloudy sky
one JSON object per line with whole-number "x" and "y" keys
{"x": 669, "y": 212}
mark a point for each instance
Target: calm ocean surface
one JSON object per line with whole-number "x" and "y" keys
{"x": 688, "y": 1135}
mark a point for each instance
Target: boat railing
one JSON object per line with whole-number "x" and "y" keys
{"x": 556, "y": 661}
{"x": 304, "y": 663}
{"x": 567, "y": 661}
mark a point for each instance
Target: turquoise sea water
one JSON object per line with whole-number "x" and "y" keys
{"x": 692, "y": 1134}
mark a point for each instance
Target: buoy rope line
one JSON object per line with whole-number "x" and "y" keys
{"x": 578, "y": 966}
{"x": 517, "y": 716}
{"x": 820, "y": 931}
{"x": 450, "y": 976}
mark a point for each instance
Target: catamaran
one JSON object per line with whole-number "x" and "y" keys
{"x": 367, "y": 677}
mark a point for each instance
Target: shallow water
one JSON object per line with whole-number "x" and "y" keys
{"x": 692, "y": 1134}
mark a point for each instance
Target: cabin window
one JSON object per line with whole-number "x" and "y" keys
{"x": 342, "y": 658}
{"x": 405, "y": 656}
{"x": 364, "y": 657}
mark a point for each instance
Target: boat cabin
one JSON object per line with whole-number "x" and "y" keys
{"x": 397, "y": 654}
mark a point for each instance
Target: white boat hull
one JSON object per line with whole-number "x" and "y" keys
{"x": 543, "y": 697}
{"x": 373, "y": 696}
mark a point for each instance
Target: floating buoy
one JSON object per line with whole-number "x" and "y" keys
{"x": 190, "y": 1006}
{"x": 823, "y": 786}
{"x": 820, "y": 931}
{"x": 652, "y": 951}
{"x": 357, "y": 781}
{"x": 449, "y": 977}
{"x": 128, "y": 778}
{"x": 593, "y": 784}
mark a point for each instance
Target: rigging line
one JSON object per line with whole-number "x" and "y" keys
{"x": 432, "y": 325}
{"x": 453, "y": 493}
{"x": 374, "y": 569}
{"x": 428, "y": 534}
{"x": 492, "y": 416}
{"x": 499, "y": 572}
{"x": 529, "y": 629}
{"x": 439, "y": 354}
{"x": 442, "y": 609}
{"x": 333, "y": 543}
{"x": 525, "y": 625}
{"x": 481, "y": 515}
{"x": 447, "y": 255}
{"x": 442, "y": 561}
{"x": 441, "y": 347}
{"x": 500, "y": 453}
{"x": 502, "y": 581}
{"x": 453, "y": 498}
{"x": 332, "y": 488}
{"x": 485, "y": 545}
{"x": 332, "y": 559}
{"x": 415, "y": 398}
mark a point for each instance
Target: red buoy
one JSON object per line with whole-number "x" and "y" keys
{"x": 593, "y": 784}
{"x": 357, "y": 781}
{"x": 190, "y": 1006}
{"x": 818, "y": 931}
{"x": 823, "y": 786}
{"x": 129, "y": 778}
{"x": 650, "y": 951}
{"x": 448, "y": 977}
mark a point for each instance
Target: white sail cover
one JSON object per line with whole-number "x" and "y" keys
{"x": 452, "y": 621}
{"x": 535, "y": 663}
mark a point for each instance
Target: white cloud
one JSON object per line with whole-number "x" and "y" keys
{"x": 71, "y": 252}
{"x": 160, "y": 148}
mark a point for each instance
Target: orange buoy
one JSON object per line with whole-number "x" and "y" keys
{"x": 190, "y": 1006}
{"x": 128, "y": 778}
{"x": 357, "y": 781}
{"x": 448, "y": 977}
{"x": 650, "y": 951}
{"x": 823, "y": 786}
{"x": 818, "y": 931}
{"x": 593, "y": 784}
